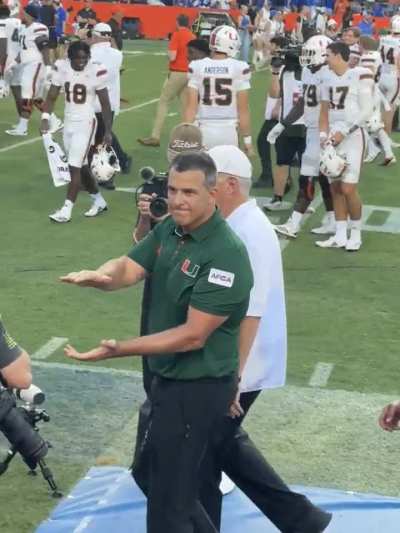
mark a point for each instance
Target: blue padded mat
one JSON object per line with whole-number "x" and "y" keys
{"x": 107, "y": 499}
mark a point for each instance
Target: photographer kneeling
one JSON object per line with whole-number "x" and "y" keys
{"x": 15, "y": 363}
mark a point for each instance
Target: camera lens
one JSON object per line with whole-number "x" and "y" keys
{"x": 158, "y": 207}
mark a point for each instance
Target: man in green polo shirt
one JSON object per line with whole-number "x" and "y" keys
{"x": 201, "y": 280}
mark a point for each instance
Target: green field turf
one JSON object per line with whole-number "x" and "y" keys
{"x": 343, "y": 310}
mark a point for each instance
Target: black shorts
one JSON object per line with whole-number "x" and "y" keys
{"x": 287, "y": 148}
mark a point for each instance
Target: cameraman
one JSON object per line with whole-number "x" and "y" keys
{"x": 15, "y": 364}
{"x": 277, "y": 44}
{"x": 292, "y": 143}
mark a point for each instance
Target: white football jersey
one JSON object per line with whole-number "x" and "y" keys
{"x": 389, "y": 49}
{"x": 291, "y": 92}
{"x": 218, "y": 81}
{"x": 371, "y": 60}
{"x": 13, "y": 27}
{"x": 80, "y": 88}
{"x": 312, "y": 83}
{"x": 28, "y": 35}
{"x": 342, "y": 93}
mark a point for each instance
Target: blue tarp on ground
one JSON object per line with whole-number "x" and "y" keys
{"x": 108, "y": 500}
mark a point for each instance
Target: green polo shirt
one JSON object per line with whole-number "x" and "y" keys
{"x": 207, "y": 269}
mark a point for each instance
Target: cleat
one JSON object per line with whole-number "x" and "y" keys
{"x": 353, "y": 245}
{"x": 276, "y": 205}
{"x": 17, "y": 132}
{"x": 310, "y": 210}
{"x": 286, "y": 230}
{"x": 328, "y": 226}
{"x": 95, "y": 210}
{"x": 149, "y": 141}
{"x": 332, "y": 242}
{"x": 60, "y": 216}
{"x": 127, "y": 167}
{"x": 388, "y": 161}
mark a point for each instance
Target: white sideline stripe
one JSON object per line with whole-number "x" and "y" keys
{"x": 321, "y": 375}
{"x": 49, "y": 348}
{"x": 172, "y": 114}
{"x": 126, "y": 189}
{"x": 91, "y": 369}
{"x": 35, "y": 139}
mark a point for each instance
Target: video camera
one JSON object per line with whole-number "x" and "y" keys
{"x": 154, "y": 184}
{"x": 288, "y": 57}
{"x": 18, "y": 423}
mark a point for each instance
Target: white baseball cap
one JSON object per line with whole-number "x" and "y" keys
{"x": 231, "y": 160}
{"x": 102, "y": 28}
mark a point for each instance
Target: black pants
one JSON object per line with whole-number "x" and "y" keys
{"x": 234, "y": 453}
{"x": 264, "y": 150}
{"x": 122, "y": 156}
{"x": 175, "y": 431}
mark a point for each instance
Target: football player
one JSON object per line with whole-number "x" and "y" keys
{"x": 218, "y": 89}
{"x": 346, "y": 99}
{"x": 371, "y": 59}
{"x": 36, "y": 68}
{"x": 313, "y": 61}
{"x": 10, "y": 49}
{"x": 389, "y": 82}
{"x": 81, "y": 80}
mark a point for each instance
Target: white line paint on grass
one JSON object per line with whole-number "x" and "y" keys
{"x": 126, "y": 189}
{"x": 321, "y": 375}
{"x": 36, "y": 139}
{"x": 49, "y": 348}
{"x": 86, "y": 368}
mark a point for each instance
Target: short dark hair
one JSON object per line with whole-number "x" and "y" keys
{"x": 4, "y": 11}
{"x": 200, "y": 44}
{"x": 76, "y": 47}
{"x": 281, "y": 42}
{"x": 192, "y": 160}
{"x": 355, "y": 31}
{"x": 339, "y": 48}
{"x": 183, "y": 20}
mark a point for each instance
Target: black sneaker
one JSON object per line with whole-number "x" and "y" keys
{"x": 125, "y": 169}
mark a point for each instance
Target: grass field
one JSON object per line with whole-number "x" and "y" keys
{"x": 343, "y": 311}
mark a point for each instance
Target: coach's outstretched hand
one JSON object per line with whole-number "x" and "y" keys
{"x": 107, "y": 348}
{"x": 87, "y": 278}
{"x": 390, "y": 417}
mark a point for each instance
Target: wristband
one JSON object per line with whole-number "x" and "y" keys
{"x": 323, "y": 136}
{"x": 247, "y": 139}
{"x": 45, "y": 116}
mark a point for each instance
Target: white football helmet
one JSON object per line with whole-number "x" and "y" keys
{"x": 225, "y": 40}
{"x": 313, "y": 52}
{"x": 4, "y": 88}
{"x": 395, "y": 24}
{"x": 332, "y": 165}
{"x": 104, "y": 164}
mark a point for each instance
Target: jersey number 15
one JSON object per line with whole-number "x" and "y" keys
{"x": 222, "y": 90}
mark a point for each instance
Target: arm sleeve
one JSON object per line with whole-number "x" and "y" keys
{"x": 9, "y": 349}
{"x": 146, "y": 251}
{"x": 223, "y": 284}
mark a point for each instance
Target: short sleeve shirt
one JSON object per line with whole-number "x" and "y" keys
{"x": 178, "y": 43}
{"x": 9, "y": 349}
{"x": 207, "y": 269}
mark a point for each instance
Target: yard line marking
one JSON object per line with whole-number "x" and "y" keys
{"x": 321, "y": 375}
{"x": 35, "y": 139}
{"x": 49, "y": 348}
{"x": 172, "y": 114}
{"x": 91, "y": 369}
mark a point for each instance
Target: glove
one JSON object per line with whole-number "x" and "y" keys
{"x": 275, "y": 132}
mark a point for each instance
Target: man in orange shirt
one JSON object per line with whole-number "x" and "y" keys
{"x": 175, "y": 84}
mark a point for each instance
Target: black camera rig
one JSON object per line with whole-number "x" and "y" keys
{"x": 154, "y": 184}
{"x": 18, "y": 423}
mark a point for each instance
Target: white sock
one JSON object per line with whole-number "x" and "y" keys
{"x": 355, "y": 229}
{"x": 296, "y": 219}
{"x": 98, "y": 198}
{"x": 23, "y": 123}
{"x": 330, "y": 216}
{"x": 341, "y": 230}
{"x": 386, "y": 144}
{"x": 68, "y": 205}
